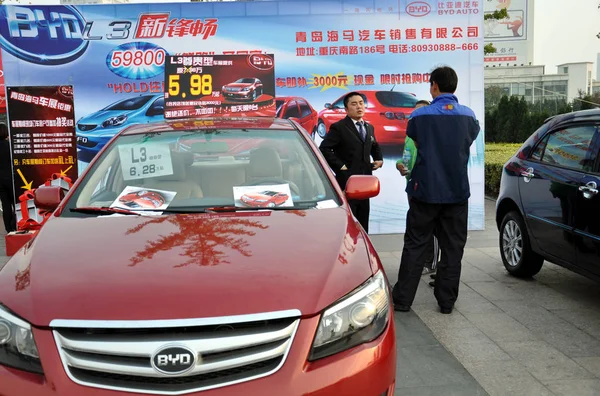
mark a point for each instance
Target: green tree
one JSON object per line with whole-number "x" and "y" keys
{"x": 493, "y": 94}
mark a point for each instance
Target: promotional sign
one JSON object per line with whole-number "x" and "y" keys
{"x": 115, "y": 56}
{"x": 42, "y": 136}
{"x": 513, "y": 36}
{"x": 220, "y": 85}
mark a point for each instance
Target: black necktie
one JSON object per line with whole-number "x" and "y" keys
{"x": 361, "y": 129}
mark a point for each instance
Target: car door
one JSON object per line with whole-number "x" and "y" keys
{"x": 587, "y": 212}
{"x": 549, "y": 187}
{"x": 306, "y": 119}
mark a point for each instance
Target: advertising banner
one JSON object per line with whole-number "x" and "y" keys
{"x": 115, "y": 56}
{"x": 43, "y": 143}
{"x": 220, "y": 85}
{"x": 512, "y": 36}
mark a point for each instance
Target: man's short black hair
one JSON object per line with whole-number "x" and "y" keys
{"x": 3, "y": 131}
{"x": 351, "y": 94}
{"x": 446, "y": 79}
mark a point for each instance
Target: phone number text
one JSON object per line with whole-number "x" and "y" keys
{"x": 382, "y": 49}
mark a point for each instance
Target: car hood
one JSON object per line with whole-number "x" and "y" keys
{"x": 238, "y": 85}
{"x": 185, "y": 266}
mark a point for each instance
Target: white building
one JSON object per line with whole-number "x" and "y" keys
{"x": 534, "y": 84}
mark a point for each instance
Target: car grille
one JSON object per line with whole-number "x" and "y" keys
{"x": 233, "y": 89}
{"x": 86, "y": 127}
{"x": 89, "y": 143}
{"x": 118, "y": 355}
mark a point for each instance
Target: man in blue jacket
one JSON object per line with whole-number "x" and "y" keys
{"x": 439, "y": 189}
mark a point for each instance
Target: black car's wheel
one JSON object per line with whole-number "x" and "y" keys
{"x": 515, "y": 249}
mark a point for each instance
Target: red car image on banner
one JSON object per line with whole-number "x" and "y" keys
{"x": 387, "y": 111}
{"x": 219, "y": 85}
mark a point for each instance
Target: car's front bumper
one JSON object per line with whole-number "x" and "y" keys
{"x": 366, "y": 370}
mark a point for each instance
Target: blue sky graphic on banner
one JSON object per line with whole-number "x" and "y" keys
{"x": 113, "y": 56}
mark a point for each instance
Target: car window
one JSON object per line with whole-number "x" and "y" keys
{"x": 339, "y": 104}
{"x": 194, "y": 169}
{"x": 292, "y": 110}
{"x": 396, "y": 99}
{"x": 570, "y": 148}
{"x": 160, "y": 102}
{"x": 130, "y": 103}
{"x": 305, "y": 111}
{"x": 539, "y": 150}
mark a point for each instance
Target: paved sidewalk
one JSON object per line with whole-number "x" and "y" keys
{"x": 515, "y": 337}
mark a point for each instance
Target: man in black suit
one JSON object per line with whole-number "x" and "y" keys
{"x": 348, "y": 146}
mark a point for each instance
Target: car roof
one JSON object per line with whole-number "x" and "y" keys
{"x": 185, "y": 124}
{"x": 574, "y": 116}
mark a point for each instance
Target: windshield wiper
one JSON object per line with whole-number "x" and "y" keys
{"x": 231, "y": 208}
{"x": 103, "y": 210}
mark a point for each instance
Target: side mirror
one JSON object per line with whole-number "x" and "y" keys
{"x": 48, "y": 197}
{"x": 327, "y": 105}
{"x": 361, "y": 187}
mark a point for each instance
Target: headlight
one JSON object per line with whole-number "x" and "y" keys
{"x": 357, "y": 318}
{"x": 17, "y": 347}
{"x": 115, "y": 121}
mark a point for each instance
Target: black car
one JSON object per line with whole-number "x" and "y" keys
{"x": 549, "y": 206}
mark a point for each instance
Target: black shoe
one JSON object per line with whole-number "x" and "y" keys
{"x": 445, "y": 311}
{"x": 432, "y": 283}
{"x": 401, "y": 308}
{"x": 432, "y": 276}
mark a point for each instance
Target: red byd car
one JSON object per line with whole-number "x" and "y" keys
{"x": 264, "y": 199}
{"x": 202, "y": 297}
{"x": 299, "y": 109}
{"x": 248, "y": 88}
{"x": 387, "y": 111}
{"x": 143, "y": 199}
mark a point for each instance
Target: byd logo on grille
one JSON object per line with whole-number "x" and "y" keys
{"x": 173, "y": 360}
{"x": 418, "y": 9}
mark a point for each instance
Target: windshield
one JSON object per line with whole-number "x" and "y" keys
{"x": 245, "y": 80}
{"x": 130, "y": 104}
{"x": 396, "y": 99}
{"x": 188, "y": 171}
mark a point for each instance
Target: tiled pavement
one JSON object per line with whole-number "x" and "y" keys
{"x": 506, "y": 336}
{"x": 515, "y": 337}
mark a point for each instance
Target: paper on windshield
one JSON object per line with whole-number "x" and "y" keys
{"x": 263, "y": 196}
{"x": 145, "y": 160}
{"x": 139, "y": 198}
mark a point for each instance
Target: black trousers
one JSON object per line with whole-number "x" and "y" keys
{"x": 8, "y": 212}
{"x": 450, "y": 223}
{"x": 430, "y": 247}
{"x": 360, "y": 210}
